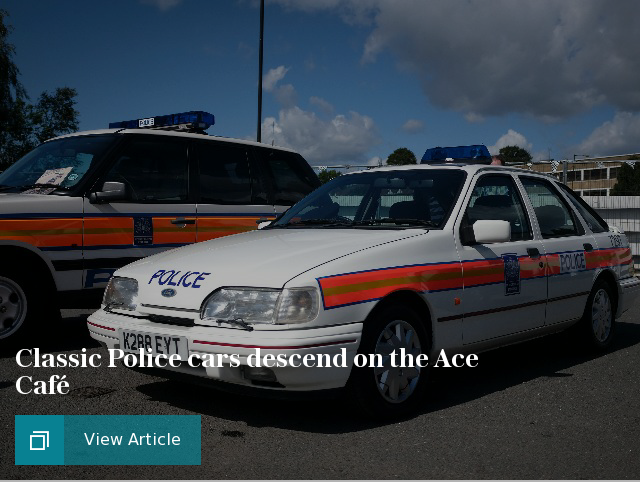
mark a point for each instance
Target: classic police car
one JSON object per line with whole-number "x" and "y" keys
{"x": 80, "y": 206}
{"x": 416, "y": 258}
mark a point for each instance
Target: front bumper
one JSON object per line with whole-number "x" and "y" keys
{"x": 205, "y": 341}
{"x": 628, "y": 292}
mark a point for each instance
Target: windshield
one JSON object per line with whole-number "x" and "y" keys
{"x": 388, "y": 199}
{"x": 55, "y": 165}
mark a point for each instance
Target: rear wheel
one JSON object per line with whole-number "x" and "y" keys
{"x": 389, "y": 392}
{"x": 598, "y": 320}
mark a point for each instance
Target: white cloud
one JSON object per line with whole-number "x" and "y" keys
{"x": 343, "y": 139}
{"x": 162, "y": 5}
{"x": 413, "y": 126}
{"x": 550, "y": 58}
{"x": 321, "y": 104}
{"x": 511, "y": 138}
{"x": 274, "y": 76}
{"x": 621, "y": 135}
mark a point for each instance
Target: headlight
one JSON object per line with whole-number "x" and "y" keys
{"x": 262, "y": 306}
{"x": 121, "y": 293}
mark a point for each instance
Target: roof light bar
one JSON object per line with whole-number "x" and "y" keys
{"x": 192, "y": 121}
{"x": 474, "y": 154}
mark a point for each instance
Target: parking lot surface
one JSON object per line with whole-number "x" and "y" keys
{"x": 543, "y": 409}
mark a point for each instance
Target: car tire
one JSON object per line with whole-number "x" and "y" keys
{"x": 391, "y": 392}
{"x": 23, "y": 306}
{"x": 598, "y": 321}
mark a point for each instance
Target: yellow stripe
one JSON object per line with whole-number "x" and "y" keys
{"x": 58, "y": 231}
{"x": 389, "y": 282}
{"x": 477, "y": 272}
{"x": 210, "y": 229}
{"x": 175, "y": 229}
{"x": 106, "y": 231}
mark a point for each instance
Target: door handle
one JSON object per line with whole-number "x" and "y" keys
{"x": 588, "y": 247}
{"x": 183, "y": 221}
{"x": 533, "y": 252}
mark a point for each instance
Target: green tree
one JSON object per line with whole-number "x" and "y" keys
{"x": 628, "y": 180}
{"x": 22, "y": 125}
{"x": 400, "y": 157}
{"x": 515, "y": 154}
{"x": 325, "y": 175}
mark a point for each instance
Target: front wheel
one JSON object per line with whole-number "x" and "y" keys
{"x": 391, "y": 390}
{"x": 598, "y": 320}
{"x": 13, "y": 306}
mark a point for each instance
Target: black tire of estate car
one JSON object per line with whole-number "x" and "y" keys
{"x": 23, "y": 306}
{"x": 598, "y": 321}
{"x": 388, "y": 392}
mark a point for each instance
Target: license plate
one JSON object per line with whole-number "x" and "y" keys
{"x": 133, "y": 341}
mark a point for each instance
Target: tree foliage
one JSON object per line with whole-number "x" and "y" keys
{"x": 328, "y": 175}
{"x": 515, "y": 154}
{"x": 23, "y": 125}
{"x": 628, "y": 180}
{"x": 401, "y": 156}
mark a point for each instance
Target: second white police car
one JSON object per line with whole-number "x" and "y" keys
{"x": 416, "y": 258}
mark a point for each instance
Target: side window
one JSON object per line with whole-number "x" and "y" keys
{"x": 496, "y": 197}
{"x": 292, "y": 178}
{"x": 595, "y": 222}
{"x": 225, "y": 177}
{"x": 153, "y": 170}
{"x": 554, "y": 215}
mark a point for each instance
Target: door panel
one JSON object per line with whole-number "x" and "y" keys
{"x": 231, "y": 193}
{"x": 505, "y": 286}
{"x": 565, "y": 244}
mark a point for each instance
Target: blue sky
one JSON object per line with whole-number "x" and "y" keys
{"x": 349, "y": 81}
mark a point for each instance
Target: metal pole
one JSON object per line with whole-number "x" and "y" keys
{"x": 259, "y": 136}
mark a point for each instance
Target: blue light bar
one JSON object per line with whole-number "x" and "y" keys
{"x": 192, "y": 120}
{"x": 477, "y": 154}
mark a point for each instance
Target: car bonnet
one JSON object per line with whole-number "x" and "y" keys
{"x": 183, "y": 277}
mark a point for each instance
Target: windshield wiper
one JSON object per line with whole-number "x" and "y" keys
{"x": 41, "y": 185}
{"x": 394, "y": 221}
{"x": 316, "y": 221}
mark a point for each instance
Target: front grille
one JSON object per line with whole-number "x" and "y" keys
{"x": 165, "y": 319}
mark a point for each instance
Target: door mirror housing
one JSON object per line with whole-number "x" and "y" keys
{"x": 491, "y": 231}
{"x": 263, "y": 224}
{"x": 111, "y": 191}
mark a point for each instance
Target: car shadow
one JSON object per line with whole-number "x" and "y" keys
{"x": 552, "y": 356}
{"x": 69, "y": 334}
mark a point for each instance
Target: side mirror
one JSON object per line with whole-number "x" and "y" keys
{"x": 263, "y": 224}
{"x": 491, "y": 231}
{"x": 111, "y": 191}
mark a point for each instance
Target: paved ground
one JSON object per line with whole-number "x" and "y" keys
{"x": 538, "y": 410}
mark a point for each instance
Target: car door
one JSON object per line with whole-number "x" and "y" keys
{"x": 566, "y": 246}
{"x": 505, "y": 287}
{"x": 158, "y": 212}
{"x": 231, "y": 193}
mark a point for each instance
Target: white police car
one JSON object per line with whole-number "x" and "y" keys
{"x": 420, "y": 258}
{"x": 80, "y": 206}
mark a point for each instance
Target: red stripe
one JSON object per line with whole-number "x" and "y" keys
{"x": 100, "y": 326}
{"x": 281, "y": 347}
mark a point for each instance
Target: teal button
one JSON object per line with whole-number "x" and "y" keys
{"x": 107, "y": 440}
{"x": 39, "y": 440}
{"x": 132, "y": 440}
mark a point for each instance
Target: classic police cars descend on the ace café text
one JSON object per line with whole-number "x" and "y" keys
{"x": 80, "y": 206}
{"x": 412, "y": 260}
